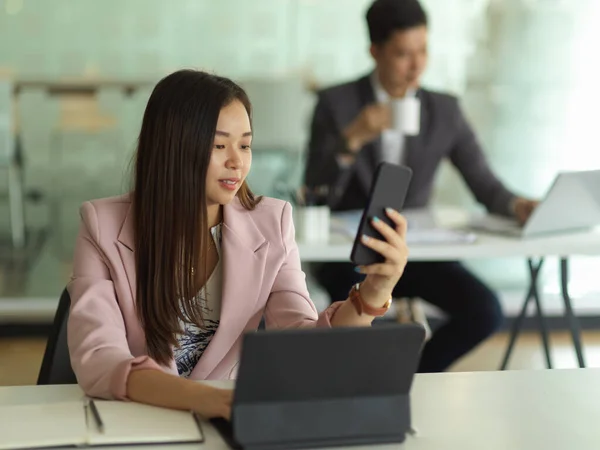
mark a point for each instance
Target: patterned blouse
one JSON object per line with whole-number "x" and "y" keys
{"x": 194, "y": 340}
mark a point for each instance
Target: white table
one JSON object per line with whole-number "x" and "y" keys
{"x": 486, "y": 246}
{"x": 489, "y": 246}
{"x": 545, "y": 410}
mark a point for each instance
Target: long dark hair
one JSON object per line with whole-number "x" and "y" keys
{"x": 169, "y": 200}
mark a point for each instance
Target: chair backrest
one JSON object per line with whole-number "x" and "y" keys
{"x": 56, "y": 364}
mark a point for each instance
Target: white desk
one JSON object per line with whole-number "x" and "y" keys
{"x": 489, "y": 246}
{"x": 486, "y": 245}
{"x": 545, "y": 410}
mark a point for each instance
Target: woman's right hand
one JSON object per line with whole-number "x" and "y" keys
{"x": 214, "y": 402}
{"x": 155, "y": 387}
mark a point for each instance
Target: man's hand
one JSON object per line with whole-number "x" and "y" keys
{"x": 523, "y": 208}
{"x": 369, "y": 124}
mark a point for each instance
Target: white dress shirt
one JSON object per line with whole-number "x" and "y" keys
{"x": 392, "y": 141}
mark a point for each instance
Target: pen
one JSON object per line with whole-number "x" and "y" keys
{"x": 96, "y": 416}
{"x": 86, "y": 407}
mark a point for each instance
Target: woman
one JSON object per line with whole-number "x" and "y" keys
{"x": 192, "y": 257}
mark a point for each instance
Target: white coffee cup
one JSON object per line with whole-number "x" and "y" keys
{"x": 406, "y": 115}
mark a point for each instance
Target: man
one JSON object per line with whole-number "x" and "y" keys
{"x": 351, "y": 133}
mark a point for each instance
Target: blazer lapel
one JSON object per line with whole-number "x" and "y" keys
{"x": 125, "y": 244}
{"x": 244, "y": 251}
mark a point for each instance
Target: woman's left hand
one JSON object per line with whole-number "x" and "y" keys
{"x": 381, "y": 278}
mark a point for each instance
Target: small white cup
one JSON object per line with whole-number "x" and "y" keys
{"x": 406, "y": 115}
{"x": 313, "y": 224}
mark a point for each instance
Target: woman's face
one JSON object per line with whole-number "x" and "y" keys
{"x": 231, "y": 155}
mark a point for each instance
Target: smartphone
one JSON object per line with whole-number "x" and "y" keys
{"x": 389, "y": 190}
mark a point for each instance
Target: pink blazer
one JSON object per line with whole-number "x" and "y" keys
{"x": 261, "y": 275}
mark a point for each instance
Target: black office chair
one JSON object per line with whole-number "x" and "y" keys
{"x": 56, "y": 364}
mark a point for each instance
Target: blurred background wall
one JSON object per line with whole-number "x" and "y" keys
{"x": 526, "y": 71}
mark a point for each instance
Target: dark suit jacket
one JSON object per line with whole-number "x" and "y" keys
{"x": 444, "y": 133}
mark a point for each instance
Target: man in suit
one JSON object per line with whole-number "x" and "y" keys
{"x": 351, "y": 133}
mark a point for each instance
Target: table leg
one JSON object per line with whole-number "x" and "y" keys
{"x": 541, "y": 321}
{"x": 573, "y": 323}
{"x": 532, "y": 293}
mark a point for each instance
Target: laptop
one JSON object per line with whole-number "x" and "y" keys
{"x": 310, "y": 388}
{"x": 571, "y": 204}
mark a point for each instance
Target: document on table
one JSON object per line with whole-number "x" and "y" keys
{"x": 421, "y": 228}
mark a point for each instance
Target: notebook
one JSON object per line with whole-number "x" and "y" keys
{"x": 72, "y": 424}
{"x": 50, "y": 425}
